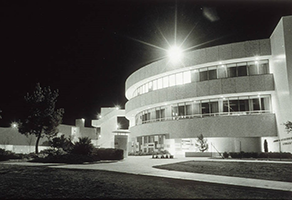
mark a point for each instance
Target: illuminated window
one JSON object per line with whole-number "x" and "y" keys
{"x": 159, "y": 83}
{"x": 263, "y": 67}
{"x": 187, "y": 77}
{"x": 150, "y": 86}
{"x": 179, "y": 78}
{"x": 172, "y": 80}
{"x": 155, "y": 85}
{"x": 165, "y": 81}
{"x": 195, "y": 75}
{"x": 146, "y": 87}
{"x": 222, "y": 73}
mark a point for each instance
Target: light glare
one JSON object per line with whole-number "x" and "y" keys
{"x": 175, "y": 54}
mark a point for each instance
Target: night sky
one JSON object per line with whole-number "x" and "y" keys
{"x": 87, "y": 49}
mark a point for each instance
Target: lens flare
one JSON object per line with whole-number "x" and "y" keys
{"x": 175, "y": 54}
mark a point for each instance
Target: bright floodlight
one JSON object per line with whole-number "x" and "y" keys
{"x": 14, "y": 125}
{"x": 174, "y": 54}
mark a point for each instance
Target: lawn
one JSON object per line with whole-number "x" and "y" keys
{"x": 44, "y": 182}
{"x": 266, "y": 171}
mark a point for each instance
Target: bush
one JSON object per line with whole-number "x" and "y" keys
{"x": 108, "y": 154}
{"x": 225, "y": 154}
{"x": 140, "y": 153}
{"x": 260, "y": 155}
{"x": 275, "y": 155}
{"x": 6, "y": 155}
{"x": 67, "y": 158}
{"x": 51, "y": 152}
{"x": 62, "y": 143}
{"x": 83, "y": 146}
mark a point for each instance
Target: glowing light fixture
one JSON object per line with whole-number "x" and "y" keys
{"x": 14, "y": 125}
{"x": 175, "y": 54}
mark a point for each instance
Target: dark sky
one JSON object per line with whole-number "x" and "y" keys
{"x": 87, "y": 49}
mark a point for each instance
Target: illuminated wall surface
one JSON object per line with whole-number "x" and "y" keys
{"x": 110, "y": 121}
{"x": 12, "y": 140}
{"x": 236, "y": 95}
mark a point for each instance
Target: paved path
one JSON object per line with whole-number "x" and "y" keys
{"x": 143, "y": 165}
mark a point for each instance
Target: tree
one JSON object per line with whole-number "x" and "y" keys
{"x": 202, "y": 143}
{"x": 42, "y": 119}
{"x": 288, "y": 126}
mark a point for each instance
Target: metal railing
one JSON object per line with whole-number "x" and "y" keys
{"x": 181, "y": 117}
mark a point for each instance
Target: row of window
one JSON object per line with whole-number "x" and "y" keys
{"x": 212, "y": 107}
{"x": 206, "y": 73}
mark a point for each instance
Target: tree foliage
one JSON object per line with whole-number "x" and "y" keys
{"x": 62, "y": 143}
{"x": 42, "y": 118}
{"x": 83, "y": 146}
{"x": 202, "y": 144}
{"x": 288, "y": 126}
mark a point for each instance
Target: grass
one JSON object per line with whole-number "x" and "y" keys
{"x": 266, "y": 171}
{"x": 44, "y": 182}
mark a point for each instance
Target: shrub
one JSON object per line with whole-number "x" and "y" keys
{"x": 83, "y": 146}
{"x": 6, "y": 155}
{"x": 67, "y": 158}
{"x": 225, "y": 154}
{"x": 140, "y": 153}
{"x": 62, "y": 143}
{"x": 51, "y": 152}
{"x": 108, "y": 154}
{"x": 275, "y": 155}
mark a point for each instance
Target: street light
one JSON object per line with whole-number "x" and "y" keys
{"x": 14, "y": 125}
{"x": 175, "y": 54}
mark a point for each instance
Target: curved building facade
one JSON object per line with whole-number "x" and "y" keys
{"x": 236, "y": 95}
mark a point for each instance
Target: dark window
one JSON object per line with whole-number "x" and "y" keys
{"x": 205, "y": 108}
{"x": 212, "y": 74}
{"x": 233, "y": 105}
{"x": 242, "y": 71}
{"x": 243, "y": 105}
{"x": 256, "y": 104}
{"x": 162, "y": 114}
{"x": 203, "y": 75}
{"x": 225, "y": 106}
{"x": 232, "y": 72}
{"x": 181, "y": 111}
{"x": 123, "y": 122}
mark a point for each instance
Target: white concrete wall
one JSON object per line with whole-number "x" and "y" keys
{"x": 281, "y": 67}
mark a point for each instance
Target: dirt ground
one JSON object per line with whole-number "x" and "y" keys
{"x": 44, "y": 182}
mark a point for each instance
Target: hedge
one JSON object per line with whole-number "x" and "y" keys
{"x": 257, "y": 155}
{"x": 108, "y": 153}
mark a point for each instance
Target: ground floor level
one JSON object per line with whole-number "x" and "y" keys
{"x": 179, "y": 146}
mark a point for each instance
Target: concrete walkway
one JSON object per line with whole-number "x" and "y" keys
{"x": 143, "y": 165}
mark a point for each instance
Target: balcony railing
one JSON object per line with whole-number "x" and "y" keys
{"x": 219, "y": 114}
